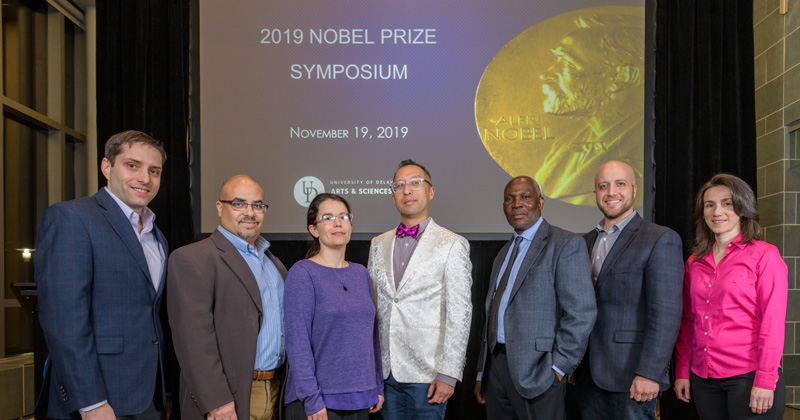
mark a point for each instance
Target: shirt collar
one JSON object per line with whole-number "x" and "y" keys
{"x": 530, "y": 232}
{"x": 737, "y": 242}
{"x": 618, "y": 226}
{"x": 148, "y": 217}
{"x": 243, "y": 246}
{"x": 709, "y": 257}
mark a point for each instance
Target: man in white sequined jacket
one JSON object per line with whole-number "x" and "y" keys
{"x": 421, "y": 280}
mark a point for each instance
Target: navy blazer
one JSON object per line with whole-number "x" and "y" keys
{"x": 550, "y": 312}
{"x": 98, "y": 309}
{"x": 639, "y": 306}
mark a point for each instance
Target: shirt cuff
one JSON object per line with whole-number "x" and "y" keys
{"x": 480, "y": 376}
{"x": 766, "y": 380}
{"x": 681, "y": 370}
{"x": 446, "y": 379}
{"x": 92, "y": 407}
{"x": 560, "y": 372}
{"x": 313, "y": 404}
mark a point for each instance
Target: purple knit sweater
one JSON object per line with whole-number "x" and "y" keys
{"x": 331, "y": 338}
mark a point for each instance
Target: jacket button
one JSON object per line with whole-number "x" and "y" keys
{"x": 155, "y": 341}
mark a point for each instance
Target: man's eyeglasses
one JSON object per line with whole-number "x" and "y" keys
{"x": 329, "y": 218}
{"x": 239, "y": 205}
{"x": 415, "y": 184}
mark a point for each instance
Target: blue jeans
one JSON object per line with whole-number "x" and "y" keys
{"x": 404, "y": 401}
{"x": 599, "y": 404}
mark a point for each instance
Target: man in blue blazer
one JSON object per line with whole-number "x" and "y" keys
{"x": 637, "y": 269}
{"x": 539, "y": 311}
{"x": 100, "y": 265}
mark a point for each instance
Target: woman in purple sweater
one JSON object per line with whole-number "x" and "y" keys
{"x": 331, "y": 331}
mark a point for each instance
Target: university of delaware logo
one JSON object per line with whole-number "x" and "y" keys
{"x": 306, "y": 189}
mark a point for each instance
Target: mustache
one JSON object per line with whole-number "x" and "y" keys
{"x": 247, "y": 219}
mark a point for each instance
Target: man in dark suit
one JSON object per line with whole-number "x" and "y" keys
{"x": 539, "y": 313}
{"x": 100, "y": 266}
{"x": 637, "y": 269}
{"x": 225, "y": 303}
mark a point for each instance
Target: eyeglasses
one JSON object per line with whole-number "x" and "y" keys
{"x": 329, "y": 218}
{"x": 239, "y": 205}
{"x": 415, "y": 184}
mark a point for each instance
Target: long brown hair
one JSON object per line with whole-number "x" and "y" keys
{"x": 311, "y": 218}
{"x": 744, "y": 205}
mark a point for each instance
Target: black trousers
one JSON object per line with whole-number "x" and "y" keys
{"x": 296, "y": 411}
{"x": 729, "y": 398}
{"x": 504, "y": 402}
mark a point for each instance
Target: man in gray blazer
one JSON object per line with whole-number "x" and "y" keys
{"x": 539, "y": 313}
{"x": 637, "y": 269}
{"x": 225, "y": 302}
{"x": 421, "y": 280}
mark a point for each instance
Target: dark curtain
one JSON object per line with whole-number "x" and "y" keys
{"x": 142, "y": 84}
{"x": 704, "y": 103}
{"x": 705, "y": 114}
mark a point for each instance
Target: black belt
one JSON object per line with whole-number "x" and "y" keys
{"x": 499, "y": 348}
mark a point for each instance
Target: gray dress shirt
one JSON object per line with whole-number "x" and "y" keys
{"x": 605, "y": 241}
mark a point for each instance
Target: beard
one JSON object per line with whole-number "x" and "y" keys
{"x": 585, "y": 102}
{"x": 247, "y": 235}
{"x": 619, "y": 212}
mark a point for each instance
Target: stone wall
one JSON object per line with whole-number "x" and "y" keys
{"x": 777, "y": 82}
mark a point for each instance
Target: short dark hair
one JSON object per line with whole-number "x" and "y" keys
{"x": 409, "y": 162}
{"x": 744, "y": 205}
{"x": 533, "y": 181}
{"x": 115, "y": 143}
{"x": 313, "y": 212}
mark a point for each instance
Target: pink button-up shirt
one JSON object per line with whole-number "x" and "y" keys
{"x": 734, "y": 314}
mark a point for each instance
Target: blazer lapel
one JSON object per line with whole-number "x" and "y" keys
{"x": 237, "y": 264}
{"x": 388, "y": 262}
{"x": 122, "y": 226}
{"x": 278, "y": 264}
{"x": 535, "y": 249}
{"x": 162, "y": 242}
{"x": 422, "y": 250}
{"x": 625, "y": 238}
{"x": 590, "y": 237}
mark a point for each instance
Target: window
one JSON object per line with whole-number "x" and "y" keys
{"x": 43, "y": 138}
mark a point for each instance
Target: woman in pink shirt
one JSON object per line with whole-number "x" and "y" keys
{"x": 734, "y": 309}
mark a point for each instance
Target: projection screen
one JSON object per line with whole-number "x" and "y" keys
{"x": 309, "y": 97}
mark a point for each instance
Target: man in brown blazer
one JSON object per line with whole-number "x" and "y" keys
{"x": 225, "y": 302}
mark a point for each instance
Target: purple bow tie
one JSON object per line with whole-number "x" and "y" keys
{"x": 402, "y": 231}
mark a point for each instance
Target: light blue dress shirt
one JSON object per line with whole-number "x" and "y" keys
{"x": 155, "y": 256}
{"x": 527, "y": 238}
{"x": 270, "y": 351}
